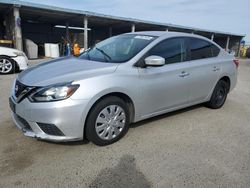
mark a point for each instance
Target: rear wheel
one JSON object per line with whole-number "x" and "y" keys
{"x": 219, "y": 95}
{"x": 7, "y": 65}
{"x": 108, "y": 121}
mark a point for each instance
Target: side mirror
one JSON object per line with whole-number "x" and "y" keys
{"x": 154, "y": 60}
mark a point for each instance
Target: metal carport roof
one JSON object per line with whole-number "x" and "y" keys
{"x": 57, "y": 15}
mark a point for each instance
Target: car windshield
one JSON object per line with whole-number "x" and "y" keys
{"x": 118, "y": 49}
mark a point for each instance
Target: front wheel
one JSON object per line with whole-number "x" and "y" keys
{"x": 108, "y": 121}
{"x": 7, "y": 65}
{"x": 219, "y": 95}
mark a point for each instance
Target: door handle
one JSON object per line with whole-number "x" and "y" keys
{"x": 216, "y": 68}
{"x": 184, "y": 74}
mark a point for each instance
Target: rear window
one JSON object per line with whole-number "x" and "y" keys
{"x": 215, "y": 50}
{"x": 201, "y": 49}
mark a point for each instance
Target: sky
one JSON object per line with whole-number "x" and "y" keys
{"x": 220, "y": 15}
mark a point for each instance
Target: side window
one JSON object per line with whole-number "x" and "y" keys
{"x": 173, "y": 50}
{"x": 201, "y": 49}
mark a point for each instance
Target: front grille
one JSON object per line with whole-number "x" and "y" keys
{"x": 19, "y": 88}
{"x": 22, "y": 91}
{"x": 25, "y": 124}
{"x": 50, "y": 129}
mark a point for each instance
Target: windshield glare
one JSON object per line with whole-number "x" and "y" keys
{"x": 118, "y": 49}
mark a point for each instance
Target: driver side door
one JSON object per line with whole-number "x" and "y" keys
{"x": 165, "y": 87}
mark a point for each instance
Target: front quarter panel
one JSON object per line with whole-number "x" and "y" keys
{"x": 122, "y": 81}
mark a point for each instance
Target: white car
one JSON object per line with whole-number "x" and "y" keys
{"x": 12, "y": 60}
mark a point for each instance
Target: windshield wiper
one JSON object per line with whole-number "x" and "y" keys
{"x": 104, "y": 53}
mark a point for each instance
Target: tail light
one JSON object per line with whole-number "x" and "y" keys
{"x": 236, "y": 62}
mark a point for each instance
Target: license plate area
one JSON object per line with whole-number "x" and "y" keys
{"x": 12, "y": 105}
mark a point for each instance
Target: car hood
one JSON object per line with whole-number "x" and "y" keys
{"x": 9, "y": 51}
{"x": 65, "y": 69}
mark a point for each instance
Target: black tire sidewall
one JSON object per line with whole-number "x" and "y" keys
{"x": 91, "y": 134}
{"x": 212, "y": 104}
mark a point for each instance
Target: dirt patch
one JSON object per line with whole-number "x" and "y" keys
{"x": 19, "y": 152}
{"x": 125, "y": 174}
{"x": 14, "y": 160}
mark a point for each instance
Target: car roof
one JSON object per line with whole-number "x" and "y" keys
{"x": 167, "y": 34}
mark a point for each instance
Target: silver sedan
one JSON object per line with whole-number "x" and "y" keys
{"x": 121, "y": 80}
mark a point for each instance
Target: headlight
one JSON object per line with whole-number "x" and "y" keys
{"x": 19, "y": 53}
{"x": 54, "y": 93}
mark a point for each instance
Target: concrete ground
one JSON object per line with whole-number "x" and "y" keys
{"x": 195, "y": 147}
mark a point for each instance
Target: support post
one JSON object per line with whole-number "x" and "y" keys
{"x": 133, "y": 28}
{"x": 228, "y": 41}
{"x": 18, "y": 43}
{"x": 85, "y": 33}
{"x": 212, "y": 37}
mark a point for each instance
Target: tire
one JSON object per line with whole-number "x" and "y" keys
{"x": 108, "y": 121}
{"x": 219, "y": 95}
{"x": 7, "y": 65}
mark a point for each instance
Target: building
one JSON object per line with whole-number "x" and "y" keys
{"x": 21, "y": 20}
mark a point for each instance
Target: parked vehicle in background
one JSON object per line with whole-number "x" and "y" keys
{"x": 243, "y": 51}
{"x": 12, "y": 60}
{"x": 248, "y": 53}
{"x": 121, "y": 80}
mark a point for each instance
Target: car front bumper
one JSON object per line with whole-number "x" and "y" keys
{"x": 22, "y": 62}
{"x": 64, "y": 120}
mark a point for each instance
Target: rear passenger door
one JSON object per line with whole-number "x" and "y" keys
{"x": 204, "y": 68}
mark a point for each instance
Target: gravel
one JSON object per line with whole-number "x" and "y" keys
{"x": 194, "y": 147}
